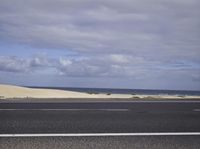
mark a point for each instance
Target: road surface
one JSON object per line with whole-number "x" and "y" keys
{"x": 101, "y": 117}
{"x": 164, "y": 118}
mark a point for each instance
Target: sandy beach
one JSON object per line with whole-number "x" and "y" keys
{"x": 18, "y": 92}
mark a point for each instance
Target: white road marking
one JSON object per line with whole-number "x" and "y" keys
{"x": 104, "y": 134}
{"x": 196, "y": 110}
{"x": 64, "y": 110}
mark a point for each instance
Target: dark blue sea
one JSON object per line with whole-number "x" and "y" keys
{"x": 128, "y": 91}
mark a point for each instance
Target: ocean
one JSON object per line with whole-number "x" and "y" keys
{"x": 128, "y": 91}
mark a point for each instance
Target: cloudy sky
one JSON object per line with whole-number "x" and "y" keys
{"x": 152, "y": 44}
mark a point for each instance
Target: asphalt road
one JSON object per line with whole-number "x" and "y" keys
{"x": 99, "y": 117}
{"x": 141, "y": 142}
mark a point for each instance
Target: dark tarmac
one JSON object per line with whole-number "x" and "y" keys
{"x": 100, "y": 117}
{"x": 140, "y": 142}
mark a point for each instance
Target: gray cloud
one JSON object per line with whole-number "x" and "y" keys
{"x": 117, "y": 70}
{"x": 16, "y": 64}
{"x": 145, "y": 40}
{"x": 169, "y": 28}
{"x": 113, "y": 65}
{"x": 13, "y": 64}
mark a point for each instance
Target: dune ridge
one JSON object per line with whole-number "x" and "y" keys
{"x": 18, "y": 92}
{"x": 11, "y": 91}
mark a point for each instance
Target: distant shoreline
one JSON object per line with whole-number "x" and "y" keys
{"x": 124, "y": 91}
{"x": 23, "y": 93}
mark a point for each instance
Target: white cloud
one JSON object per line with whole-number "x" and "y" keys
{"x": 147, "y": 72}
{"x": 13, "y": 64}
{"x": 16, "y": 64}
{"x": 141, "y": 39}
{"x": 119, "y": 58}
{"x": 65, "y": 62}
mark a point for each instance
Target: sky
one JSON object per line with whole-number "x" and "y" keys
{"x": 139, "y": 44}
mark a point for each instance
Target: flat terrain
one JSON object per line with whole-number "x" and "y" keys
{"x": 150, "y": 142}
{"x": 20, "y": 93}
{"x": 100, "y": 117}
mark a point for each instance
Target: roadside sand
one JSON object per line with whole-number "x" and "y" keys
{"x": 10, "y": 91}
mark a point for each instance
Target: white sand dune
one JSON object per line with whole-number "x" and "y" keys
{"x": 11, "y": 91}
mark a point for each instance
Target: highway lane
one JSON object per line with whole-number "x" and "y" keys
{"x": 99, "y": 117}
{"x": 129, "y": 142}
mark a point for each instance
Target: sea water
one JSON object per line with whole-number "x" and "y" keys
{"x": 128, "y": 91}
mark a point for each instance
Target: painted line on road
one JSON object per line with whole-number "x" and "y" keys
{"x": 121, "y": 110}
{"x": 196, "y": 110}
{"x": 104, "y": 134}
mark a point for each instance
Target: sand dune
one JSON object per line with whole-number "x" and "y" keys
{"x": 11, "y": 91}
